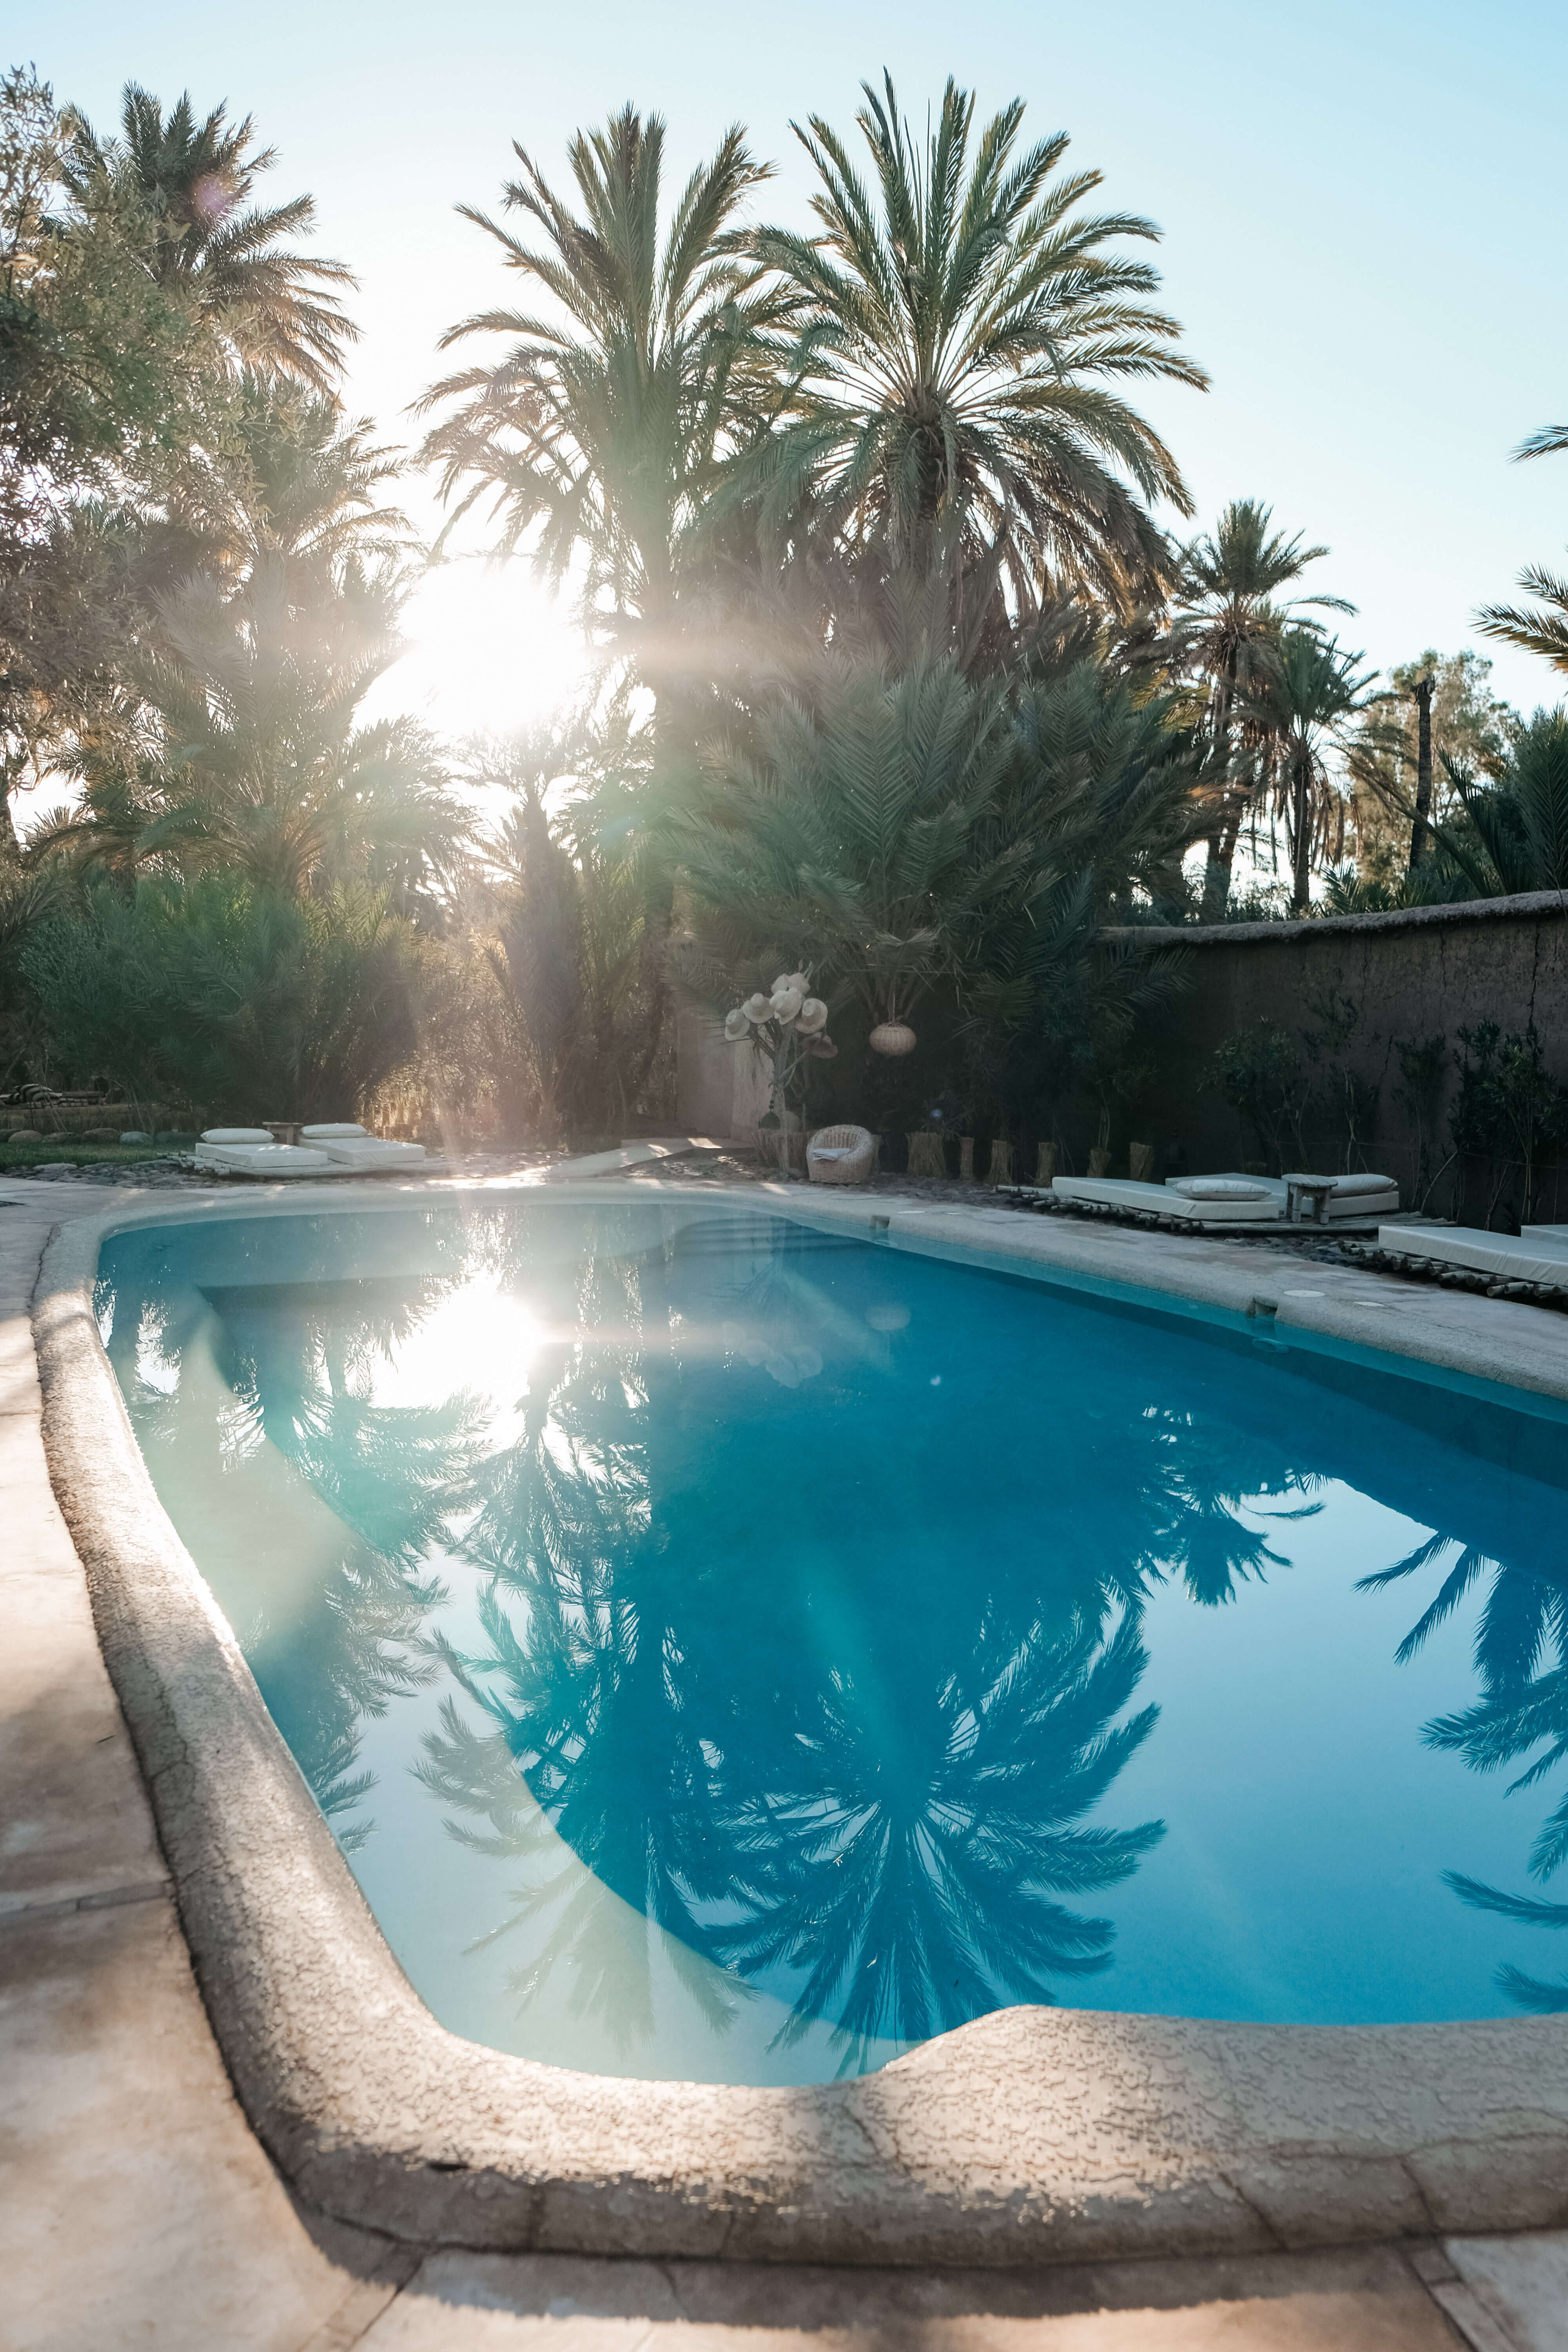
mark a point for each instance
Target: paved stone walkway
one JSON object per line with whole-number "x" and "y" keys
{"x": 137, "y": 2210}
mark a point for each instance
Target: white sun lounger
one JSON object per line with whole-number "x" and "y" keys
{"x": 1361, "y": 1195}
{"x": 1198, "y": 1200}
{"x": 250, "y": 1152}
{"x": 1540, "y": 1253}
{"x": 348, "y": 1146}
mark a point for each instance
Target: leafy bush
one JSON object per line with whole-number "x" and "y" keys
{"x": 1259, "y": 1071}
{"x": 244, "y": 1004}
{"x": 1510, "y": 1113}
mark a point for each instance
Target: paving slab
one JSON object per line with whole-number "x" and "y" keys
{"x": 136, "y": 2206}
{"x": 1521, "y": 2284}
{"x": 1365, "y": 2301}
{"x": 76, "y": 1818}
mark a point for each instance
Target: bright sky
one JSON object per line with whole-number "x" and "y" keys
{"x": 1362, "y": 206}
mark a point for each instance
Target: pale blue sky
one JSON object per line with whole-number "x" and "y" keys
{"x": 1362, "y": 206}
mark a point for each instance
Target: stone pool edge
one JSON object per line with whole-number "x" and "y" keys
{"x": 1034, "y": 2135}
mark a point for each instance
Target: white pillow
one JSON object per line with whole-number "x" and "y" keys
{"x": 340, "y": 1134}
{"x": 236, "y": 1135}
{"x": 1221, "y": 1188}
{"x": 1365, "y": 1184}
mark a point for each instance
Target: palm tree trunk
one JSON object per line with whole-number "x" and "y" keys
{"x": 658, "y": 905}
{"x": 1220, "y": 866}
{"x": 1222, "y": 842}
{"x": 10, "y": 847}
{"x": 1418, "y": 835}
{"x": 1302, "y": 776}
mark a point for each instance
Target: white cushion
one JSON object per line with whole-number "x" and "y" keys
{"x": 1254, "y": 1205}
{"x": 1342, "y": 1184}
{"x": 834, "y": 1151}
{"x": 1522, "y": 1257}
{"x": 263, "y": 1159}
{"x": 237, "y": 1134}
{"x": 1221, "y": 1188}
{"x": 365, "y": 1148}
{"x": 332, "y": 1134}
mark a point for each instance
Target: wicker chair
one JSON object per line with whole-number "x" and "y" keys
{"x": 840, "y": 1155}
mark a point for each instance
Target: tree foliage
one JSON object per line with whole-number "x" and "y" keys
{"x": 961, "y": 330}
{"x": 242, "y": 1002}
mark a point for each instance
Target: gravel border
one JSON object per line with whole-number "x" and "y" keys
{"x": 1033, "y": 2134}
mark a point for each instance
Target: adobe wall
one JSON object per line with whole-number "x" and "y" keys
{"x": 1427, "y": 972}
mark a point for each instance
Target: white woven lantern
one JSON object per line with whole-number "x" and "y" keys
{"x": 891, "y": 1037}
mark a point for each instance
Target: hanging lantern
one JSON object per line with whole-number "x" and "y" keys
{"x": 891, "y": 1037}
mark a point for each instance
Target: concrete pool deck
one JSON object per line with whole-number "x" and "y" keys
{"x": 141, "y": 2210}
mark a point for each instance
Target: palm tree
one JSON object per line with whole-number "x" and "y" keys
{"x": 1521, "y": 816}
{"x": 180, "y": 186}
{"x": 1543, "y": 633}
{"x": 240, "y": 751}
{"x": 295, "y": 479}
{"x": 892, "y": 826}
{"x": 1228, "y": 615}
{"x": 847, "y": 834}
{"x": 601, "y": 428}
{"x": 958, "y": 346}
{"x": 1508, "y": 833}
{"x": 263, "y": 770}
{"x": 231, "y": 738}
{"x": 1306, "y": 694}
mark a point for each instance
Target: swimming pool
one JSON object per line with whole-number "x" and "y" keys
{"x": 729, "y": 1651}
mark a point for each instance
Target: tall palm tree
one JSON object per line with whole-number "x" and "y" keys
{"x": 600, "y": 431}
{"x": 1543, "y": 633}
{"x": 184, "y": 183}
{"x": 960, "y": 335}
{"x": 601, "y": 427}
{"x": 1228, "y": 613}
{"x": 1307, "y": 693}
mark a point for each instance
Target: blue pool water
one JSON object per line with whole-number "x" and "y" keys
{"x": 730, "y": 1651}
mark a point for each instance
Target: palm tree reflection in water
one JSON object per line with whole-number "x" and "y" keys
{"x": 794, "y": 1753}
{"x": 340, "y": 1630}
{"x": 1520, "y": 1653}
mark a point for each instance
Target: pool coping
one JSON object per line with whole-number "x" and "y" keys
{"x": 1032, "y": 2134}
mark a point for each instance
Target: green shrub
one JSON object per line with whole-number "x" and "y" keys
{"x": 1510, "y": 1114}
{"x": 242, "y": 1003}
{"x": 1259, "y": 1073}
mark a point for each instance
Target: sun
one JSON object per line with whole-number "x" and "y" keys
{"x": 488, "y": 650}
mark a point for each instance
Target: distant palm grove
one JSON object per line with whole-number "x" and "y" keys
{"x": 915, "y": 674}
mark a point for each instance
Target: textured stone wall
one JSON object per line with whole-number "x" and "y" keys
{"x": 1412, "y": 976}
